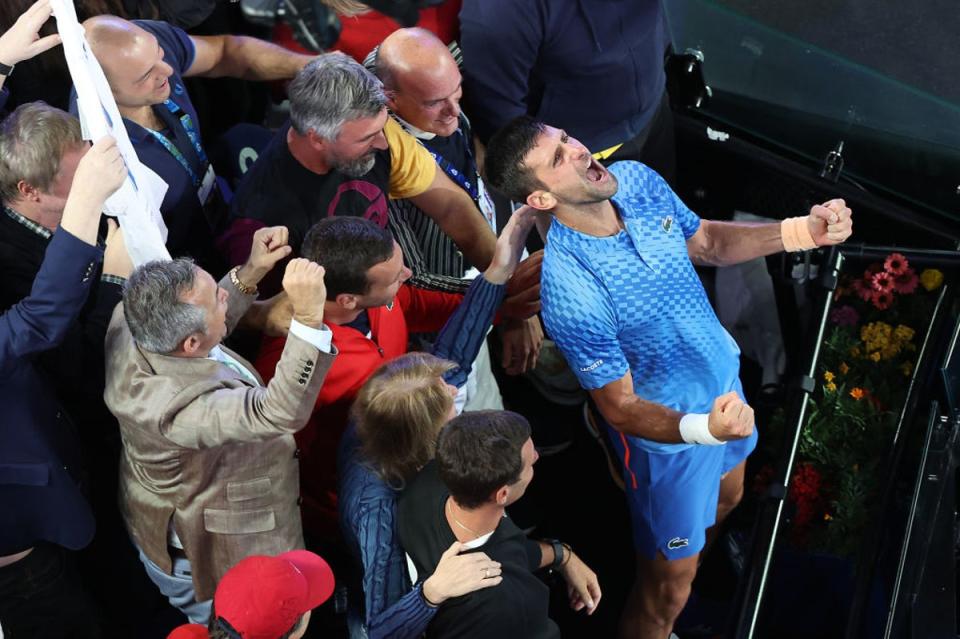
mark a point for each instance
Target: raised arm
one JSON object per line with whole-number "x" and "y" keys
{"x": 242, "y": 413}
{"x": 22, "y": 41}
{"x": 725, "y": 243}
{"x": 40, "y": 321}
{"x": 464, "y": 333}
{"x": 243, "y": 57}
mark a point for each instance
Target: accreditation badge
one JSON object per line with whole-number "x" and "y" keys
{"x": 214, "y": 205}
{"x": 206, "y": 184}
{"x": 486, "y": 205}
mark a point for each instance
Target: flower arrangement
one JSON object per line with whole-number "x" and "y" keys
{"x": 867, "y": 356}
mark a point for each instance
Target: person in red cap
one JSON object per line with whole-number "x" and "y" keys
{"x": 265, "y": 598}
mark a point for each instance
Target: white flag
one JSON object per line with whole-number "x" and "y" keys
{"x": 136, "y": 204}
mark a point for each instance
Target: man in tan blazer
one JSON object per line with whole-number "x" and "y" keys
{"x": 209, "y": 473}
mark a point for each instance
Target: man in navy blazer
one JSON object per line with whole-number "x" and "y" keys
{"x": 44, "y": 510}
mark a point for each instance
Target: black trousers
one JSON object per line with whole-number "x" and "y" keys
{"x": 41, "y": 597}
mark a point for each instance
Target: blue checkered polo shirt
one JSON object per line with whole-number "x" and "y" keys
{"x": 633, "y": 301}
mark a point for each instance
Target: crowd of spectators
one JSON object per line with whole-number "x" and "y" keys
{"x": 303, "y": 400}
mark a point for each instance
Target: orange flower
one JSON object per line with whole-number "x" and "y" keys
{"x": 857, "y": 393}
{"x": 844, "y": 369}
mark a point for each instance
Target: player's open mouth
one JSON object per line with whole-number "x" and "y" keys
{"x": 596, "y": 172}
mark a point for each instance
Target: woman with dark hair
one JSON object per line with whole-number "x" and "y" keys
{"x": 395, "y": 421}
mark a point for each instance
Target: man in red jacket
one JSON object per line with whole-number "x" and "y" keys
{"x": 371, "y": 312}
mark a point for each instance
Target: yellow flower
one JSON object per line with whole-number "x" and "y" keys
{"x": 876, "y": 336}
{"x": 903, "y": 333}
{"x": 828, "y": 376}
{"x": 907, "y": 368}
{"x": 855, "y": 351}
{"x": 931, "y": 279}
{"x": 875, "y": 356}
{"x": 844, "y": 369}
{"x": 889, "y": 351}
{"x": 857, "y": 393}
{"x": 830, "y": 387}
{"x": 827, "y": 517}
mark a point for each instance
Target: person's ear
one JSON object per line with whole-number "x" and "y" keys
{"x": 391, "y": 99}
{"x": 28, "y": 191}
{"x": 301, "y": 628}
{"x": 191, "y": 345}
{"x": 542, "y": 200}
{"x": 347, "y": 301}
{"x": 317, "y": 142}
{"x": 502, "y": 494}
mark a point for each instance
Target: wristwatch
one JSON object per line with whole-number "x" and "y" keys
{"x": 558, "y": 553}
{"x": 6, "y": 69}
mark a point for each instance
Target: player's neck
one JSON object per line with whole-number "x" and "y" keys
{"x": 305, "y": 154}
{"x": 599, "y": 219}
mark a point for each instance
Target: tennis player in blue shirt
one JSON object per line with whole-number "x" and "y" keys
{"x": 624, "y": 304}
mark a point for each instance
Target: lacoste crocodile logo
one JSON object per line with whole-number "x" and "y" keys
{"x": 677, "y": 543}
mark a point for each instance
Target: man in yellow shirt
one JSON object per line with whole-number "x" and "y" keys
{"x": 342, "y": 155}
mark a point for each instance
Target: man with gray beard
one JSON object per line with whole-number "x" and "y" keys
{"x": 341, "y": 155}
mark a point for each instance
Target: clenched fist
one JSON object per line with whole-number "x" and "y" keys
{"x": 731, "y": 418}
{"x": 269, "y": 247}
{"x": 303, "y": 282}
{"x": 830, "y": 223}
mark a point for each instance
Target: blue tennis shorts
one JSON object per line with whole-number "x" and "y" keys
{"x": 672, "y": 498}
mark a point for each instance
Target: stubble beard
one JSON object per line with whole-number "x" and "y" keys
{"x": 358, "y": 167}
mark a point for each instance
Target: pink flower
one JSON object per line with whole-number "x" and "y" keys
{"x": 882, "y": 299}
{"x": 882, "y": 282}
{"x": 906, "y": 283}
{"x": 844, "y": 316}
{"x": 872, "y": 270}
{"x": 896, "y": 264}
{"x": 863, "y": 291}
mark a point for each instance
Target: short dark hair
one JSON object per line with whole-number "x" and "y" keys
{"x": 347, "y": 247}
{"x": 504, "y": 161}
{"x": 478, "y": 452}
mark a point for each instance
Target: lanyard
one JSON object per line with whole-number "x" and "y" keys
{"x": 454, "y": 173}
{"x": 187, "y": 123}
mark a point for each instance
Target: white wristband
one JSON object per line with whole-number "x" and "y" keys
{"x": 694, "y": 429}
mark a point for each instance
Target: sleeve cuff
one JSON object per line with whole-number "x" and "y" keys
{"x": 321, "y": 337}
{"x": 113, "y": 279}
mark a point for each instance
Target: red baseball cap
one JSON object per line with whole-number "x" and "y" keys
{"x": 189, "y": 631}
{"x": 262, "y": 597}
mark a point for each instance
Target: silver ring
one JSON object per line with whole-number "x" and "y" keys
{"x": 486, "y": 573}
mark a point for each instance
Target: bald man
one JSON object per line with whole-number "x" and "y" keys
{"x": 422, "y": 84}
{"x": 145, "y": 62}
